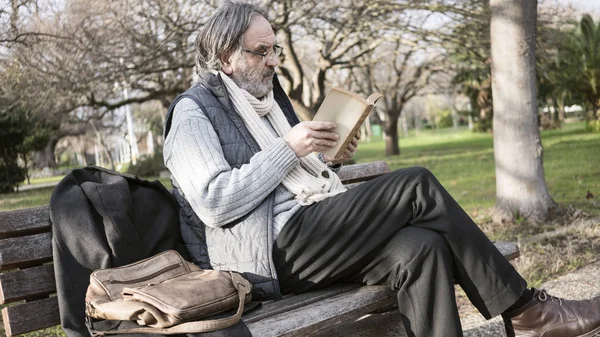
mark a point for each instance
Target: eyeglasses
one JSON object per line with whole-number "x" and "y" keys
{"x": 269, "y": 54}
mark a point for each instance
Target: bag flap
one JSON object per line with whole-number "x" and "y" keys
{"x": 155, "y": 269}
{"x": 195, "y": 294}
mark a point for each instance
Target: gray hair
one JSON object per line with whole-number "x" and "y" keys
{"x": 223, "y": 33}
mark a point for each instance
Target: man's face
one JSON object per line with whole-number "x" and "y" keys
{"x": 249, "y": 71}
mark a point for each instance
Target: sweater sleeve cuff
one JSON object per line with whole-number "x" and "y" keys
{"x": 281, "y": 155}
{"x": 335, "y": 168}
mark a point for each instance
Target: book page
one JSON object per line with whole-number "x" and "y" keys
{"x": 345, "y": 109}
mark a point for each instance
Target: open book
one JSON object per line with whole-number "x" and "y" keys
{"x": 348, "y": 110}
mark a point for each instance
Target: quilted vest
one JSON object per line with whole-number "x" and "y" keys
{"x": 245, "y": 245}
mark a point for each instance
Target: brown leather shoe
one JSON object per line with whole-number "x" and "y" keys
{"x": 549, "y": 316}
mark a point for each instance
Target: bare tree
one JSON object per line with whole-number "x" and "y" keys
{"x": 91, "y": 51}
{"x": 520, "y": 184}
{"x": 76, "y": 53}
{"x": 400, "y": 71}
{"x": 320, "y": 37}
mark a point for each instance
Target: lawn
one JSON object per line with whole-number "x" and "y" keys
{"x": 464, "y": 163}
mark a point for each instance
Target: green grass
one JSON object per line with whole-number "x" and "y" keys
{"x": 25, "y": 199}
{"x": 464, "y": 163}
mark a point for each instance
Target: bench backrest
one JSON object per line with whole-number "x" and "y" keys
{"x": 27, "y": 281}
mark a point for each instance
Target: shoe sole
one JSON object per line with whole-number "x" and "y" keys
{"x": 591, "y": 333}
{"x": 587, "y": 334}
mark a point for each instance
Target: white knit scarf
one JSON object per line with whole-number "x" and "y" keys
{"x": 306, "y": 180}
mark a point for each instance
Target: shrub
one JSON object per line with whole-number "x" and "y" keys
{"x": 148, "y": 166}
{"x": 483, "y": 125}
{"x": 13, "y": 130}
{"x": 593, "y": 126}
{"x": 11, "y": 174}
{"x": 443, "y": 118}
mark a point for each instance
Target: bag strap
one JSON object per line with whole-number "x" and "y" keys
{"x": 190, "y": 327}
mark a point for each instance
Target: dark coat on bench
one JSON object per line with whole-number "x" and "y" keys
{"x": 103, "y": 219}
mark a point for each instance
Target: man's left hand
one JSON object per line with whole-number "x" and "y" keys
{"x": 348, "y": 154}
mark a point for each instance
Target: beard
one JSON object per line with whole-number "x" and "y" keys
{"x": 257, "y": 82}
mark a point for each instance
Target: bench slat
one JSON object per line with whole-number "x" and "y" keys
{"x": 24, "y": 221}
{"x": 25, "y": 251}
{"x": 31, "y": 316}
{"x": 291, "y": 302}
{"x": 305, "y": 320}
{"x": 27, "y": 283}
{"x": 361, "y": 172}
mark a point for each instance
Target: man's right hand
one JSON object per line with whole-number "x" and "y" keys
{"x": 313, "y": 136}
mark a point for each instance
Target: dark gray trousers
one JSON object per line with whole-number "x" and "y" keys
{"x": 402, "y": 229}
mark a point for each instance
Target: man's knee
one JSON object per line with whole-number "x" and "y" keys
{"x": 421, "y": 171}
{"x": 416, "y": 173}
{"x": 419, "y": 244}
{"x": 434, "y": 245}
{"x": 419, "y": 251}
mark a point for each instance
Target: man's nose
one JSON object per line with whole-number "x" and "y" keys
{"x": 272, "y": 61}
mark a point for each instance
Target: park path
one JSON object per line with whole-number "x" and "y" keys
{"x": 30, "y": 187}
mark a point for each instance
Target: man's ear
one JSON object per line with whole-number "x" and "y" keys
{"x": 226, "y": 63}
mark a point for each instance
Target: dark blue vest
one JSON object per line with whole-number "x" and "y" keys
{"x": 233, "y": 246}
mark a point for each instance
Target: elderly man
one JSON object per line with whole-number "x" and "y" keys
{"x": 255, "y": 198}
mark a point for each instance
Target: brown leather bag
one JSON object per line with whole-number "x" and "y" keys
{"x": 165, "y": 293}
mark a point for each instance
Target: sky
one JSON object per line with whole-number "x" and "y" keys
{"x": 584, "y": 6}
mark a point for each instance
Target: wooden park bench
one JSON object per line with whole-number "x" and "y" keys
{"x": 27, "y": 284}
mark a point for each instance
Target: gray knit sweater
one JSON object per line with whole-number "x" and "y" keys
{"x": 218, "y": 193}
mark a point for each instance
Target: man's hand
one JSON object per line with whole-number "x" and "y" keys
{"x": 313, "y": 136}
{"x": 348, "y": 154}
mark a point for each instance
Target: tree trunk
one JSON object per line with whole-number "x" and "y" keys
{"x": 561, "y": 112}
{"x": 404, "y": 126}
{"x": 391, "y": 137}
{"x": 14, "y": 16}
{"x": 520, "y": 183}
{"x": 302, "y": 110}
{"x": 45, "y": 157}
{"x": 26, "y": 165}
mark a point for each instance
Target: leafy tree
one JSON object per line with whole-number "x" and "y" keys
{"x": 400, "y": 72}
{"x": 13, "y": 131}
{"x": 556, "y": 63}
{"x": 36, "y": 139}
{"x": 587, "y": 47}
{"x": 469, "y": 46}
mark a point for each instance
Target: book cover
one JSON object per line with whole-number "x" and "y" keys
{"x": 348, "y": 110}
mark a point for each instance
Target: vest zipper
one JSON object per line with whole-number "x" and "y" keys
{"x": 111, "y": 279}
